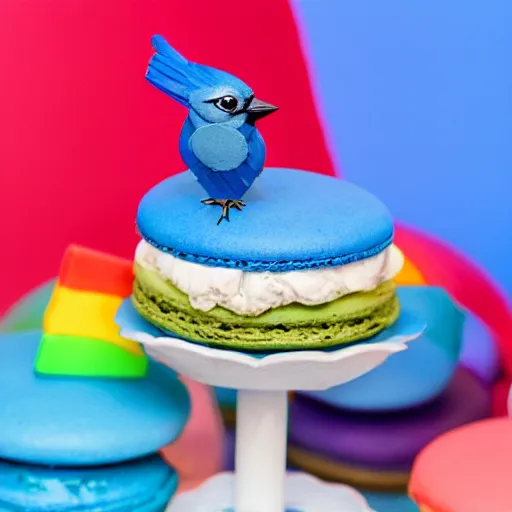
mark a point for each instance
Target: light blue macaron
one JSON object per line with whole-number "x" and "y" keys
{"x": 142, "y": 485}
{"x": 64, "y": 421}
{"x": 84, "y": 444}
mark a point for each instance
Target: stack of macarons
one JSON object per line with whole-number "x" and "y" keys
{"x": 279, "y": 276}
{"x": 198, "y": 453}
{"x": 83, "y": 413}
{"x": 368, "y": 432}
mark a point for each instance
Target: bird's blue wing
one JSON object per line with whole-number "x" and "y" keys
{"x": 204, "y": 176}
{"x": 218, "y": 185}
{"x": 253, "y": 165}
{"x": 225, "y": 184}
{"x": 220, "y": 148}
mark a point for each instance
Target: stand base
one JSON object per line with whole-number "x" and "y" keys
{"x": 302, "y": 493}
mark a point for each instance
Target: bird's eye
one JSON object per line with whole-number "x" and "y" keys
{"x": 227, "y": 103}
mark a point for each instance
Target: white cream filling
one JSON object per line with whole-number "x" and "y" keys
{"x": 253, "y": 293}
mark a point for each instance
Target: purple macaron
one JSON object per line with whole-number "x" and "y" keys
{"x": 386, "y": 441}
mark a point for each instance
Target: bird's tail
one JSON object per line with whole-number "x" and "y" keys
{"x": 173, "y": 74}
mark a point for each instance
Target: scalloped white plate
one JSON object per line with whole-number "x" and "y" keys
{"x": 303, "y": 493}
{"x": 306, "y": 370}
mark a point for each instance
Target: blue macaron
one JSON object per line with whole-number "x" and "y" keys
{"x": 85, "y": 444}
{"x": 76, "y": 422}
{"x": 293, "y": 220}
{"x": 142, "y": 485}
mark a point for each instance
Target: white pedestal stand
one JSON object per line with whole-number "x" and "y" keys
{"x": 261, "y": 450}
{"x": 260, "y": 483}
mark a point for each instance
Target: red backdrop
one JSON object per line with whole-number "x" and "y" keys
{"x": 83, "y": 136}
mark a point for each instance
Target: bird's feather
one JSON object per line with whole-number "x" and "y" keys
{"x": 161, "y": 46}
{"x": 174, "y": 75}
{"x": 253, "y": 165}
{"x": 204, "y": 176}
{"x": 219, "y": 147}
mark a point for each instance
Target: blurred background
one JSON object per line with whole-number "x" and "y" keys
{"x": 411, "y": 100}
{"x": 417, "y": 98}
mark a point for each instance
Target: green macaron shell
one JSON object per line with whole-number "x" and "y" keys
{"x": 351, "y": 318}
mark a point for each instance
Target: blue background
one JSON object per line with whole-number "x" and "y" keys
{"x": 417, "y": 97}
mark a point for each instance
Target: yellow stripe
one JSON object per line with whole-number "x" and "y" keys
{"x": 86, "y": 314}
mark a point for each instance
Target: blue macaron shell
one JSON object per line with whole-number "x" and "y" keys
{"x": 143, "y": 485}
{"x": 416, "y": 375}
{"x": 61, "y": 421}
{"x": 293, "y": 220}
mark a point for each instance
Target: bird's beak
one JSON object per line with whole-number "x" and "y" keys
{"x": 258, "y": 109}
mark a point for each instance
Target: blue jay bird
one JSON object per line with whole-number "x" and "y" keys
{"x": 219, "y": 142}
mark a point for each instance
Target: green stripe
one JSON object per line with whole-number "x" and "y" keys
{"x": 87, "y": 357}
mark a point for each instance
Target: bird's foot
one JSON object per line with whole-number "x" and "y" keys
{"x": 226, "y": 205}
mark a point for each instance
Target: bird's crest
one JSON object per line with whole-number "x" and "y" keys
{"x": 174, "y": 75}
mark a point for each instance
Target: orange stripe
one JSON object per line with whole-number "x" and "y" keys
{"x": 87, "y": 315}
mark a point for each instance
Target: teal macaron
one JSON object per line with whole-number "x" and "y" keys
{"x": 84, "y": 444}
{"x": 142, "y": 485}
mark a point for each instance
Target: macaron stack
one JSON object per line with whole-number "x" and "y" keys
{"x": 84, "y": 414}
{"x": 368, "y": 432}
{"x": 275, "y": 278}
